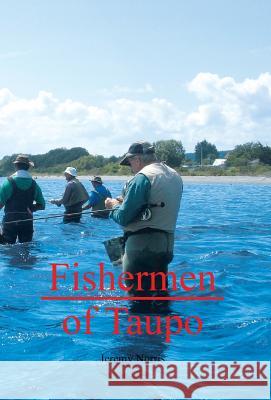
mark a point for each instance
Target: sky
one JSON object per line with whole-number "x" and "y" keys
{"x": 102, "y": 74}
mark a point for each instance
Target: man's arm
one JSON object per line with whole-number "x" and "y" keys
{"x": 136, "y": 197}
{"x": 92, "y": 201}
{"x": 39, "y": 199}
{"x": 66, "y": 196}
{"x": 5, "y": 192}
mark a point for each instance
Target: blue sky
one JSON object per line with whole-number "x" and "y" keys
{"x": 101, "y": 74}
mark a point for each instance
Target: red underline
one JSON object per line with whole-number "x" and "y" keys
{"x": 131, "y": 298}
{"x": 188, "y": 390}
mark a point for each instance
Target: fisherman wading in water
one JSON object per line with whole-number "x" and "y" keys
{"x": 21, "y": 196}
{"x": 97, "y": 198}
{"x": 74, "y": 197}
{"x": 147, "y": 213}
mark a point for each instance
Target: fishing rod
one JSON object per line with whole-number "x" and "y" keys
{"x": 50, "y": 216}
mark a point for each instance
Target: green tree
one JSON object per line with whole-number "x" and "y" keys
{"x": 265, "y": 155}
{"x": 56, "y": 159}
{"x": 100, "y": 161}
{"x": 205, "y": 152}
{"x": 244, "y": 153}
{"x": 58, "y": 156}
{"x": 113, "y": 159}
{"x": 85, "y": 163}
{"x": 171, "y": 151}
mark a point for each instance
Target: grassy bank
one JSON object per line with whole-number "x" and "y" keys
{"x": 117, "y": 170}
{"x": 257, "y": 170}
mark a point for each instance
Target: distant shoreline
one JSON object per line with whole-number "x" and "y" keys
{"x": 255, "y": 180}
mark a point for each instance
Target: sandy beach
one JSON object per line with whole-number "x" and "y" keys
{"x": 254, "y": 180}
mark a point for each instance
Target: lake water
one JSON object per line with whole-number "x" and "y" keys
{"x": 221, "y": 228}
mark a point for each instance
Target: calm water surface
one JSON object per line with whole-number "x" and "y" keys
{"x": 221, "y": 228}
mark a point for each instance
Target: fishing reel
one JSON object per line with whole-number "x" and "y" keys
{"x": 146, "y": 214}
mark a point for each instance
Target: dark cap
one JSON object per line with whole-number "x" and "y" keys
{"x": 23, "y": 159}
{"x": 137, "y": 148}
{"x": 96, "y": 179}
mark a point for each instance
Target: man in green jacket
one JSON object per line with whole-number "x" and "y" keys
{"x": 21, "y": 196}
{"x": 148, "y": 213}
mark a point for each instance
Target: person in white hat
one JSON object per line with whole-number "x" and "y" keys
{"x": 74, "y": 197}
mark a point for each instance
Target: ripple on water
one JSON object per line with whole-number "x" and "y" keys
{"x": 221, "y": 228}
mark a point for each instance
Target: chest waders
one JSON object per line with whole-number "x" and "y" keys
{"x": 18, "y": 207}
{"x": 100, "y": 206}
{"x": 150, "y": 237}
{"x": 78, "y": 197}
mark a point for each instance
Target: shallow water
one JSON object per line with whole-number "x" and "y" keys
{"x": 221, "y": 228}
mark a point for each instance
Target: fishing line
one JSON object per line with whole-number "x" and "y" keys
{"x": 50, "y": 216}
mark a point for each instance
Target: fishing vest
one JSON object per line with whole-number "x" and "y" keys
{"x": 166, "y": 187}
{"x": 78, "y": 193}
{"x": 20, "y": 200}
{"x": 100, "y": 206}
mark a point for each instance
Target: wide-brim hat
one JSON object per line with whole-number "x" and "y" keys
{"x": 96, "y": 179}
{"x": 23, "y": 159}
{"x": 137, "y": 148}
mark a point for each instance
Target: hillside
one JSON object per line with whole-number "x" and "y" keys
{"x": 52, "y": 161}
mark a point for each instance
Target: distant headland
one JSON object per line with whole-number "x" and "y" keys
{"x": 249, "y": 159}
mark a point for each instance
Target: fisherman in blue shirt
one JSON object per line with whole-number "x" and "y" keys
{"x": 97, "y": 198}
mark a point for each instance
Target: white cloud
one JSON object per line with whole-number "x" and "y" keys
{"x": 228, "y": 113}
{"x": 231, "y": 112}
{"x": 5, "y": 96}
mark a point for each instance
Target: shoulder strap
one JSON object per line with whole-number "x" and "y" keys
{"x": 33, "y": 187}
{"x": 15, "y": 187}
{"x": 12, "y": 182}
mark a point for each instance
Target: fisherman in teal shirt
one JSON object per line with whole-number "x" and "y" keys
{"x": 21, "y": 196}
{"x": 136, "y": 195}
{"x": 148, "y": 213}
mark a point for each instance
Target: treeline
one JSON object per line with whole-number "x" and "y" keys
{"x": 54, "y": 159}
{"x": 55, "y": 162}
{"x": 248, "y": 153}
{"x": 246, "y": 158}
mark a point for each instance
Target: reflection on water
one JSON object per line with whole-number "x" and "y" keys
{"x": 221, "y": 228}
{"x": 19, "y": 255}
